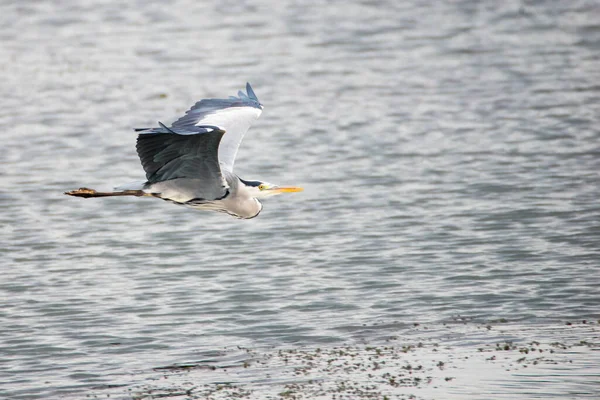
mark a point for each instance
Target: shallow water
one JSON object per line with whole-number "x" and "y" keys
{"x": 450, "y": 155}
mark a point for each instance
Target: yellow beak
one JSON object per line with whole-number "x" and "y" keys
{"x": 287, "y": 189}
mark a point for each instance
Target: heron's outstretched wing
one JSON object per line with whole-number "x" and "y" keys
{"x": 233, "y": 115}
{"x": 168, "y": 155}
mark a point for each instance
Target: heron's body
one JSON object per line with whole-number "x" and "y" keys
{"x": 237, "y": 201}
{"x": 191, "y": 162}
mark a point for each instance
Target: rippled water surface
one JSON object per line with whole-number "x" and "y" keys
{"x": 450, "y": 153}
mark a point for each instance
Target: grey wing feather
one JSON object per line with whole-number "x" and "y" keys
{"x": 168, "y": 156}
{"x": 164, "y": 129}
{"x": 206, "y": 107}
{"x": 234, "y": 115}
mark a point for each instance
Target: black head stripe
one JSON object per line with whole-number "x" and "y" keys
{"x": 251, "y": 183}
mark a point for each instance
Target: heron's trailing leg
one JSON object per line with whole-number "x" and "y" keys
{"x": 85, "y": 192}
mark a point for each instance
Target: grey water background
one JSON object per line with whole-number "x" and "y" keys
{"x": 449, "y": 153}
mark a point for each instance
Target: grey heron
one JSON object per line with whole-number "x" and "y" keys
{"x": 191, "y": 162}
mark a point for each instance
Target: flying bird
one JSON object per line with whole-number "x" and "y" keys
{"x": 191, "y": 162}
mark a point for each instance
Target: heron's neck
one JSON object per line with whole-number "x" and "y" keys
{"x": 241, "y": 200}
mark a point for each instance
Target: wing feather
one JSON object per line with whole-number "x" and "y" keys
{"x": 201, "y": 144}
{"x": 234, "y": 115}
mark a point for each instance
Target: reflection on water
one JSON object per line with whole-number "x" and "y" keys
{"x": 449, "y": 154}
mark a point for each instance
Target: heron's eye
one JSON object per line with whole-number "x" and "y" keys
{"x": 261, "y": 187}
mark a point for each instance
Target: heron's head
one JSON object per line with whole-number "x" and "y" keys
{"x": 261, "y": 190}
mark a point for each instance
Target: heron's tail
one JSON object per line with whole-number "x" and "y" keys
{"x": 85, "y": 192}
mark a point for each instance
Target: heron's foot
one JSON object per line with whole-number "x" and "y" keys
{"x": 82, "y": 192}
